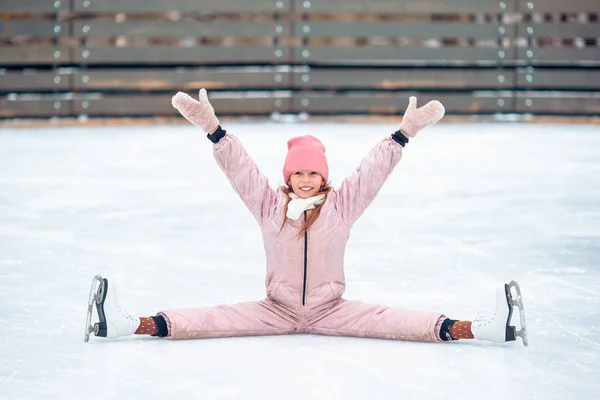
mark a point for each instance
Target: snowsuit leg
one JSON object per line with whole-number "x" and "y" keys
{"x": 243, "y": 319}
{"x": 358, "y": 319}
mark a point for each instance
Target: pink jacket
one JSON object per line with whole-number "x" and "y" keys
{"x": 289, "y": 280}
{"x": 305, "y": 276}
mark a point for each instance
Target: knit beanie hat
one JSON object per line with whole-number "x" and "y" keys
{"x": 305, "y": 153}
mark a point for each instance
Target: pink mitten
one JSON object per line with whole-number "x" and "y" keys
{"x": 199, "y": 113}
{"x": 416, "y": 119}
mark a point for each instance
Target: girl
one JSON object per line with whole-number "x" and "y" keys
{"x": 305, "y": 227}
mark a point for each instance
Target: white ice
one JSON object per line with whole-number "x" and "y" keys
{"x": 468, "y": 206}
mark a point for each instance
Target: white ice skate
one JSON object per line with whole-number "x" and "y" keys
{"x": 113, "y": 321}
{"x": 497, "y": 328}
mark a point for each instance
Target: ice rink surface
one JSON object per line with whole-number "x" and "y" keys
{"x": 469, "y": 206}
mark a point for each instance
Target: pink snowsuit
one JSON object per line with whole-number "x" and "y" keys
{"x": 305, "y": 275}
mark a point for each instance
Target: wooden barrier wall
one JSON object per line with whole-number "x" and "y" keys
{"x": 112, "y": 58}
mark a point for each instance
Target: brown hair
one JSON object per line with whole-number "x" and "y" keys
{"x": 312, "y": 217}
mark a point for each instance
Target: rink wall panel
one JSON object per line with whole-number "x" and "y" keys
{"x": 404, "y": 79}
{"x": 35, "y": 81}
{"x": 569, "y": 79}
{"x": 113, "y": 58}
{"x": 175, "y": 79}
{"x": 412, "y": 6}
{"x": 559, "y": 5}
{"x": 401, "y": 28}
{"x": 25, "y": 106}
{"x": 394, "y": 56}
{"x": 160, "y": 105}
{"x": 568, "y": 103}
{"x": 38, "y": 6}
{"x": 168, "y": 55}
{"x": 196, "y": 6}
{"x": 182, "y": 29}
{"x": 29, "y": 56}
{"x": 391, "y": 104}
{"x": 16, "y": 29}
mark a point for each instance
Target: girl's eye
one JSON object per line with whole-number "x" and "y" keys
{"x": 313, "y": 173}
{"x": 296, "y": 173}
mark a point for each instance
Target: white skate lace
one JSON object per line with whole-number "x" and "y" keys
{"x": 125, "y": 313}
{"x": 481, "y": 320}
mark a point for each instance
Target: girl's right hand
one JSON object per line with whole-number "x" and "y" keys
{"x": 199, "y": 113}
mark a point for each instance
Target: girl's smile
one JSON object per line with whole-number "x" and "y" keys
{"x": 306, "y": 183}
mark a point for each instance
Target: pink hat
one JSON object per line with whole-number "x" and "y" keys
{"x": 305, "y": 153}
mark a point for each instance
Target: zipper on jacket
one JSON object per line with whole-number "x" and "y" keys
{"x": 305, "y": 262}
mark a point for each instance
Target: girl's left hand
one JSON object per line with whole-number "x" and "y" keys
{"x": 416, "y": 119}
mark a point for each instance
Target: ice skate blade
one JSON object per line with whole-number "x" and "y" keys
{"x": 518, "y": 302}
{"x": 92, "y": 298}
{"x": 100, "y": 328}
{"x": 509, "y": 332}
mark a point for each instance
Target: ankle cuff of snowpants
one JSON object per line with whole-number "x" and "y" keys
{"x": 161, "y": 324}
{"x": 445, "y": 329}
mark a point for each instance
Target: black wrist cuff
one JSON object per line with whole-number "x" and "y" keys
{"x": 161, "y": 324}
{"x": 217, "y": 135}
{"x": 400, "y": 138}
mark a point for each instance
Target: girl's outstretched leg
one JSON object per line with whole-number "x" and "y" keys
{"x": 354, "y": 318}
{"x": 243, "y": 319}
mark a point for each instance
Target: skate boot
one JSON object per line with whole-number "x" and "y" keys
{"x": 496, "y": 327}
{"x": 114, "y": 321}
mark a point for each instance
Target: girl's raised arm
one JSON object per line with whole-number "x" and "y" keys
{"x": 243, "y": 174}
{"x": 359, "y": 189}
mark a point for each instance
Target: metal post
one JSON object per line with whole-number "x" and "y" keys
{"x": 83, "y": 70}
{"x": 56, "y": 79}
{"x": 529, "y": 52}
{"x": 305, "y": 54}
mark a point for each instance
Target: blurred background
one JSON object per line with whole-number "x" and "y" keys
{"x": 501, "y": 193}
{"x": 86, "y": 60}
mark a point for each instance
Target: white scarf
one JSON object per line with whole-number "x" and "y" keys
{"x": 297, "y": 206}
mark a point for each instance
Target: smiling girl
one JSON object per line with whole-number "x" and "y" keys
{"x": 305, "y": 226}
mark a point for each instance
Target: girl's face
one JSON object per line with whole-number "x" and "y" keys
{"x": 306, "y": 183}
